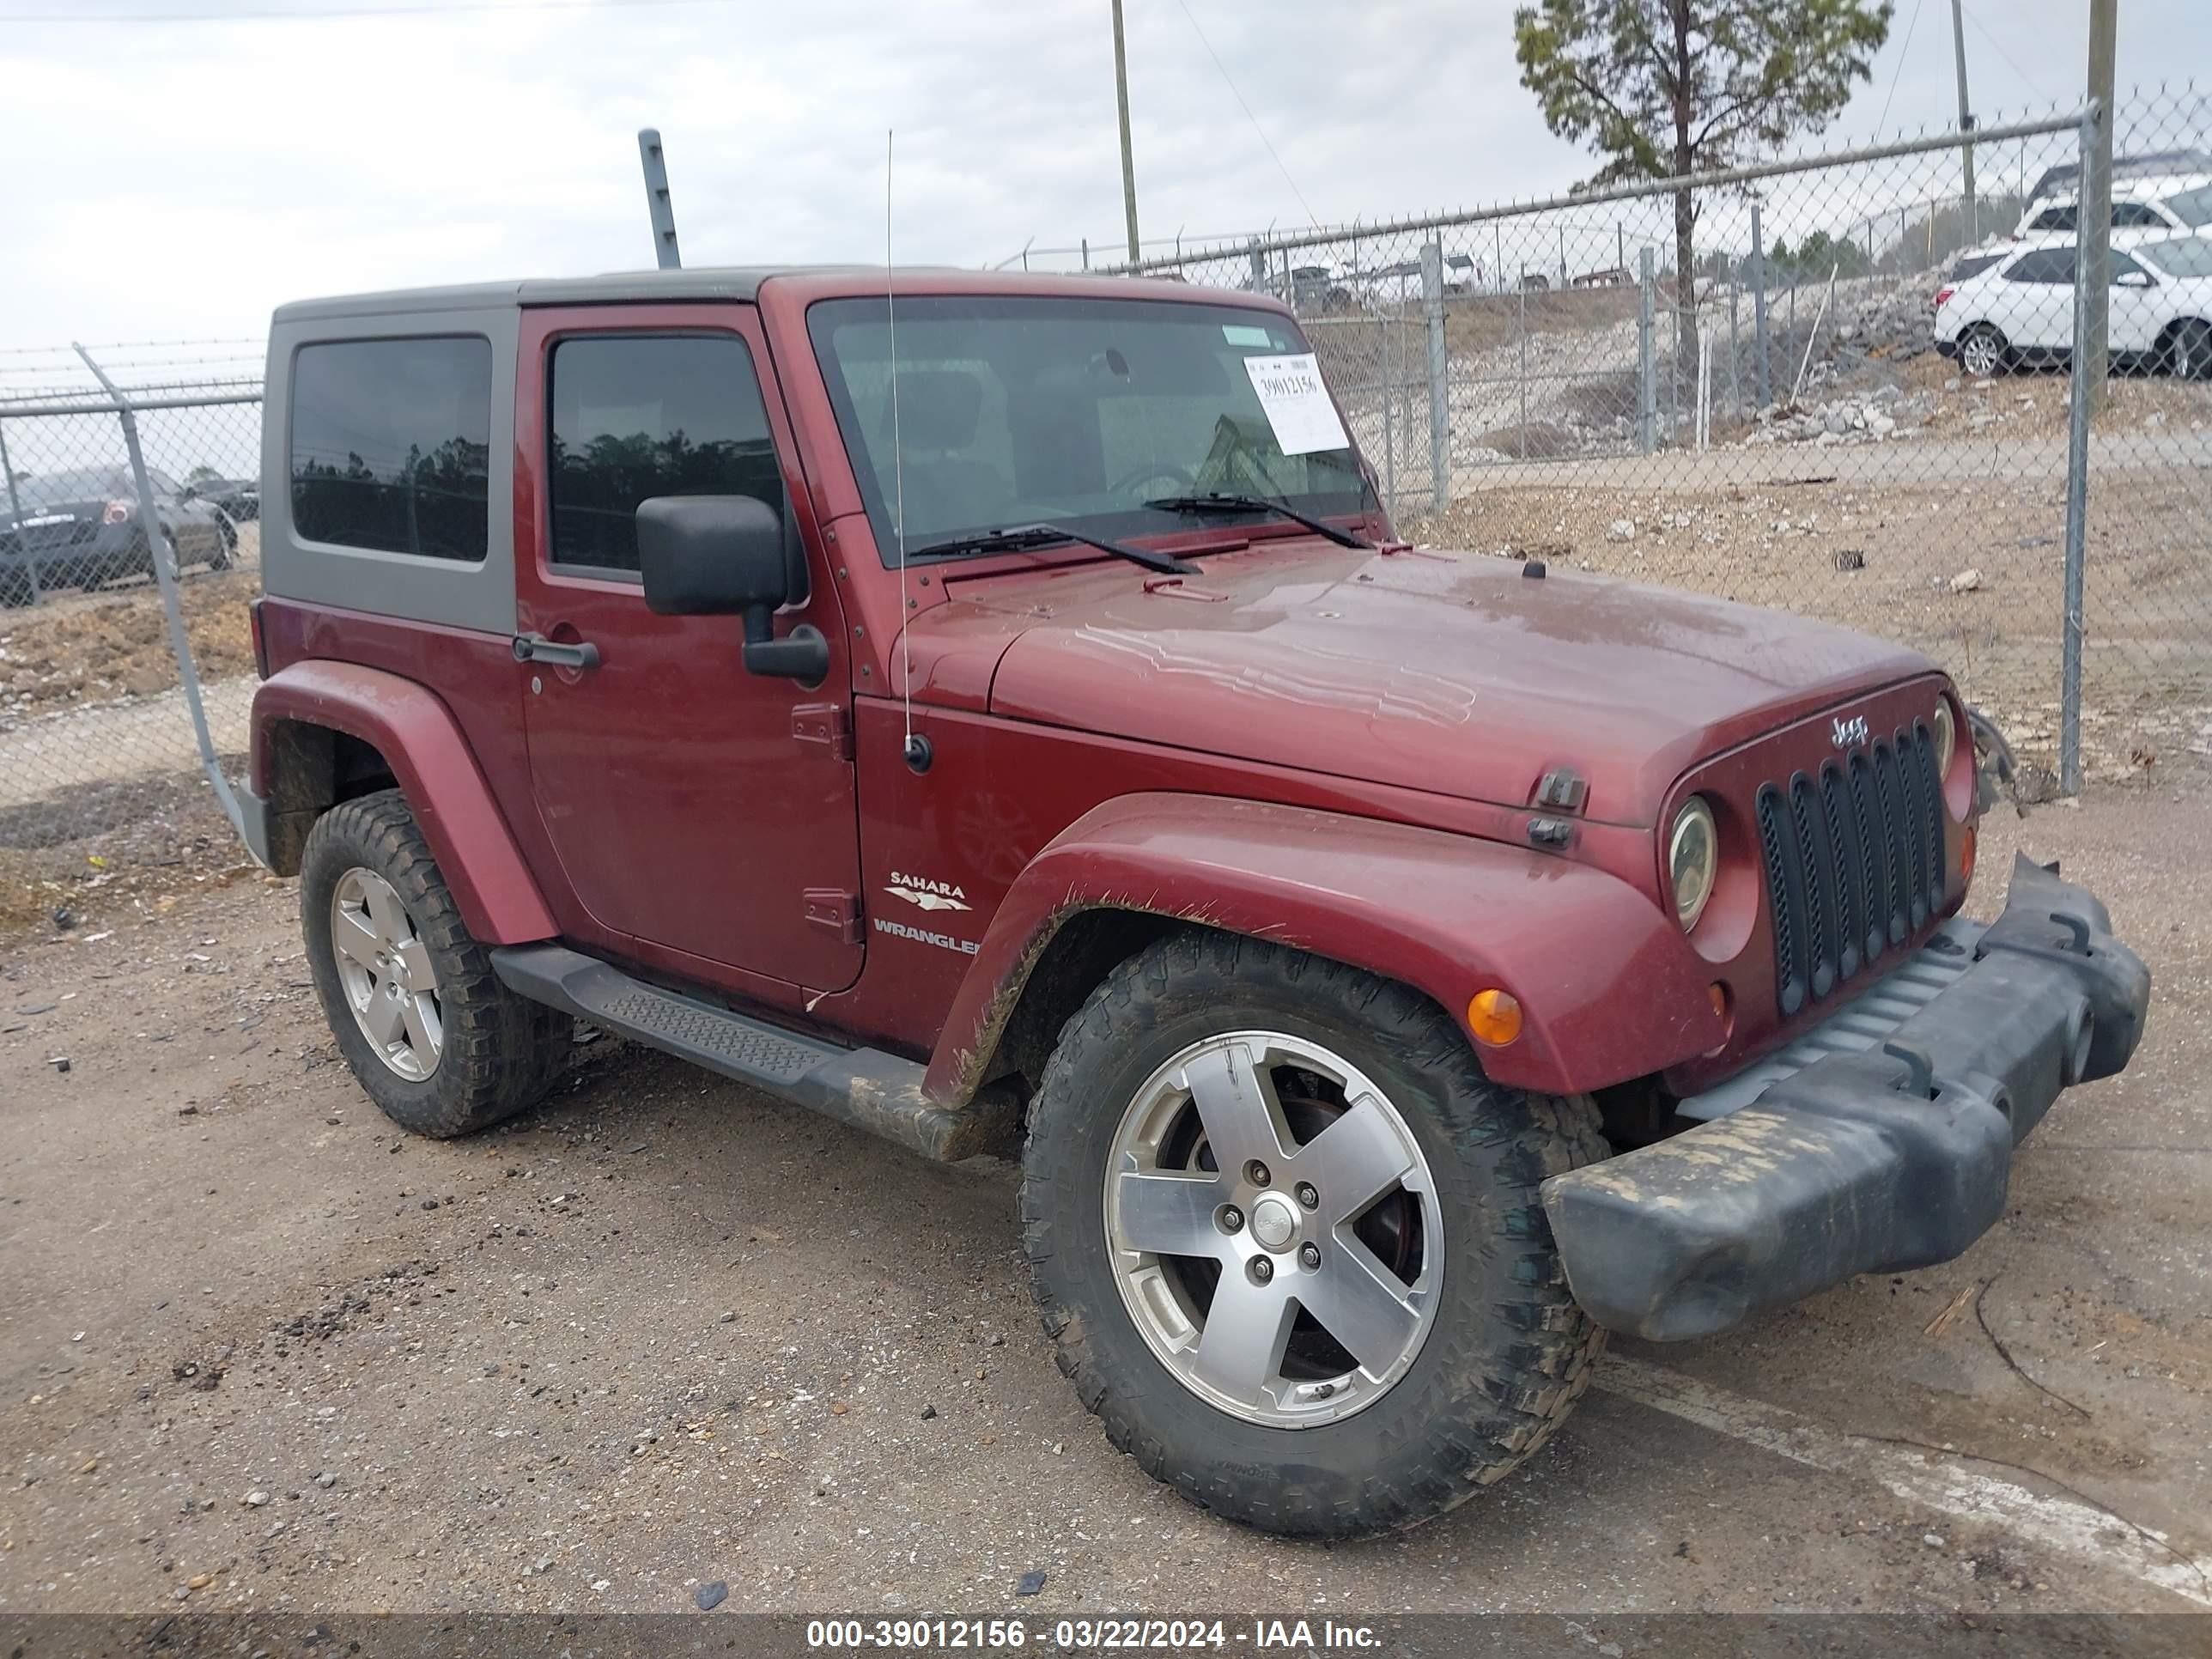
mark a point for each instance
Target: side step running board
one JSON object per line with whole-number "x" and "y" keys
{"x": 864, "y": 1087}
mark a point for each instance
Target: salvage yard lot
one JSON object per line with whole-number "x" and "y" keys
{"x": 257, "y": 1349}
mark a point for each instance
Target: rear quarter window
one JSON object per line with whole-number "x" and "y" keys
{"x": 1973, "y": 264}
{"x": 389, "y": 445}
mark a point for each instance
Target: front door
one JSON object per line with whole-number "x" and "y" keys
{"x": 693, "y": 806}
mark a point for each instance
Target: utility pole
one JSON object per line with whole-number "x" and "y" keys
{"x": 1971, "y": 224}
{"x": 1121, "y": 102}
{"x": 2096, "y": 199}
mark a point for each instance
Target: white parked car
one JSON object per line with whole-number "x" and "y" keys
{"x": 2143, "y": 210}
{"x": 2020, "y": 310}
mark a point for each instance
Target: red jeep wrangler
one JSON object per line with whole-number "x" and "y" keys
{"x": 997, "y": 708}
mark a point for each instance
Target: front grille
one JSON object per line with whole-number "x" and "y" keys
{"x": 1854, "y": 860}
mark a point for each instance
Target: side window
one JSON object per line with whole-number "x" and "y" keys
{"x": 391, "y": 445}
{"x": 2136, "y": 216}
{"x": 2056, "y": 218}
{"x": 2048, "y": 264}
{"x": 2192, "y": 207}
{"x": 2120, "y": 265}
{"x": 639, "y": 416}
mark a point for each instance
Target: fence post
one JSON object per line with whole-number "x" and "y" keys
{"x": 1520, "y": 290}
{"x": 164, "y": 576}
{"x": 2092, "y": 235}
{"x": 1647, "y": 392}
{"x": 1386, "y": 377}
{"x": 15, "y": 517}
{"x": 1432, "y": 301}
{"x": 1758, "y": 307}
{"x": 1259, "y": 267}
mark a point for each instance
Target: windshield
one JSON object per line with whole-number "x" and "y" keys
{"x": 1016, "y": 410}
{"x": 2183, "y": 256}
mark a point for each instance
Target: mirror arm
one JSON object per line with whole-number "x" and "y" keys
{"x": 803, "y": 656}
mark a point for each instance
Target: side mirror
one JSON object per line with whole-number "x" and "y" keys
{"x": 720, "y": 556}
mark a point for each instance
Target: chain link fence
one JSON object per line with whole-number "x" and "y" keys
{"x": 125, "y": 655}
{"x": 1838, "y": 385}
{"x": 1843, "y": 385}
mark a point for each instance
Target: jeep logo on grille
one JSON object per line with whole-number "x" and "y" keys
{"x": 1848, "y": 733}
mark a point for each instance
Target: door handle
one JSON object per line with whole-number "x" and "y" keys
{"x": 535, "y": 647}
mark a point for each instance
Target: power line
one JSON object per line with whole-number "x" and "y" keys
{"x": 1247, "y": 108}
{"x": 1903, "y": 52}
{"x": 267, "y": 15}
{"x": 1996, "y": 46}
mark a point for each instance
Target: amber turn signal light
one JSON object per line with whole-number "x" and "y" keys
{"x": 1494, "y": 1017}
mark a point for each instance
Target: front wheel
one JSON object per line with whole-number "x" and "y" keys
{"x": 1289, "y": 1242}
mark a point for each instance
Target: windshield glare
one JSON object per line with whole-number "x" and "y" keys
{"x": 1014, "y": 409}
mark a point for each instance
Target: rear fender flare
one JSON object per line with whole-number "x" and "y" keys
{"x": 430, "y": 760}
{"x": 1609, "y": 987}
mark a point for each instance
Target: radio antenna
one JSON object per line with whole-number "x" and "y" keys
{"x": 916, "y": 749}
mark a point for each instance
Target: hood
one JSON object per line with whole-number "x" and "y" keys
{"x": 1448, "y": 673}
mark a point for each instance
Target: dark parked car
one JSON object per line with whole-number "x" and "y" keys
{"x": 82, "y": 528}
{"x": 238, "y": 499}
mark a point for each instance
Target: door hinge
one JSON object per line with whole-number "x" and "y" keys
{"x": 836, "y": 910}
{"x": 827, "y": 724}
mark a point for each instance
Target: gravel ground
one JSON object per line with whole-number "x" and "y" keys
{"x": 260, "y": 1351}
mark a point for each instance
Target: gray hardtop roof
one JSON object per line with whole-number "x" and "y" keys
{"x": 740, "y": 283}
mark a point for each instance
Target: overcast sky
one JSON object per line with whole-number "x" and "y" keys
{"x": 177, "y": 179}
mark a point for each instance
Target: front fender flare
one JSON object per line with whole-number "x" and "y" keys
{"x": 431, "y": 760}
{"x": 1609, "y": 988}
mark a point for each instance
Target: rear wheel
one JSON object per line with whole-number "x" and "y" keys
{"x": 1289, "y": 1243}
{"x": 16, "y": 589}
{"x": 225, "y": 545}
{"x": 437, "y": 1042}
{"x": 1983, "y": 351}
{"x": 2189, "y": 350}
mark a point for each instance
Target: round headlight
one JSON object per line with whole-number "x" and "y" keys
{"x": 1694, "y": 858}
{"x": 1947, "y": 739}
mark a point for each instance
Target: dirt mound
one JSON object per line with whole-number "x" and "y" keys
{"x": 107, "y": 645}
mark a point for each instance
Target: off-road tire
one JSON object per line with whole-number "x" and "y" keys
{"x": 1510, "y": 1352}
{"x": 501, "y": 1050}
{"x": 226, "y": 546}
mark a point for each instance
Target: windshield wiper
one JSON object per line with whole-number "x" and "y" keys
{"x": 1216, "y": 502}
{"x": 1020, "y": 537}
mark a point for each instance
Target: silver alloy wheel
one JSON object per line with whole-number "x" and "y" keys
{"x": 384, "y": 968}
{"x": 1980, "y": 354}
{"x": 1280, "y": 1226}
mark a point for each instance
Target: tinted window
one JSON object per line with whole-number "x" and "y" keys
{"x": 636, "y": 416}
{"x": 1973, "y": 264}
{"x": 2136, "y": 216}
{"x": 2192, "y": 207}
{"x": 2184, "y": 256}
{"x": 2047, "y": 264}
{"x": 2057, "y": 218}
{"x": 391, "y": 445}
{"x": 2120, "y": 266}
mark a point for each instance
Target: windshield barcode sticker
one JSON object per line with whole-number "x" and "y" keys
{"x": 1298, "y": 404}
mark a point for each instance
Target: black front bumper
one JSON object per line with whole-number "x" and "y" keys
{"x": 1890, "y": 1152}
